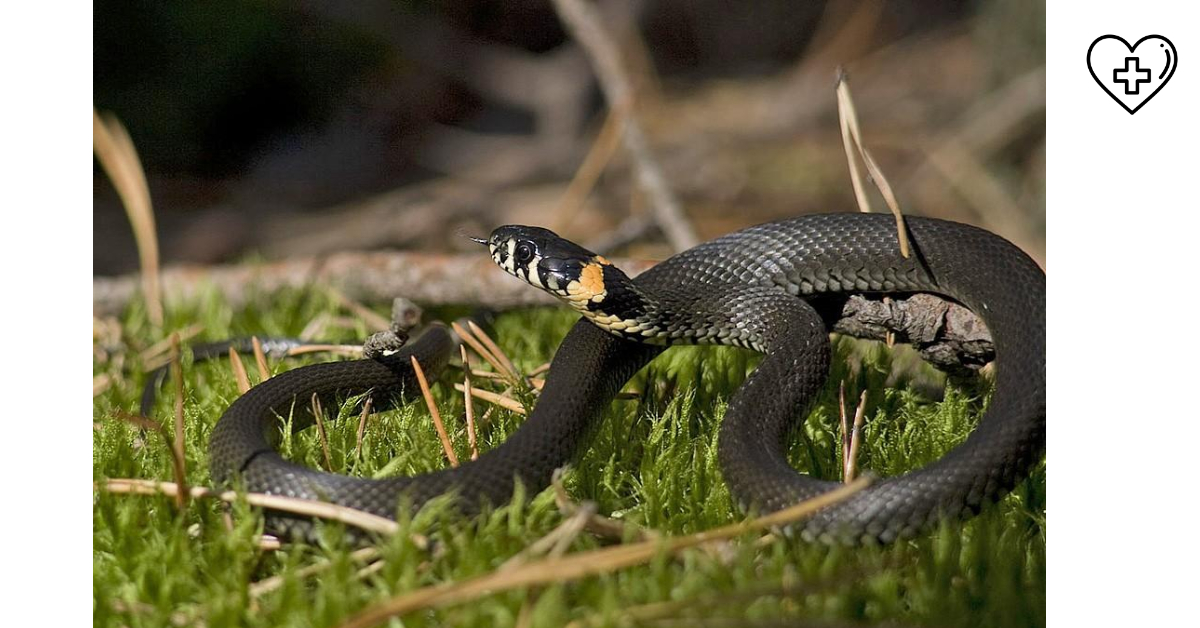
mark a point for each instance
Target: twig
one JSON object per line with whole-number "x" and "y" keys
{"x": 306, "y": 507}
{"x": 373, "y": 320}
{"x": 180, "y": 463}
{"x": 433, "y": 411}
{"x": 598, "y": 156}
{"x": 468, "y": 404}
{"x": 584, "y": 24}
{"x": 631, "y": 229}
{"x": 851, "y": 140}
{"x": 117, "y": 155}
{"x": 583, "y": 564}
{"x": 319, "y": 417}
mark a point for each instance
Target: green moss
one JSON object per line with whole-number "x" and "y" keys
{"x": 653, "y": 463}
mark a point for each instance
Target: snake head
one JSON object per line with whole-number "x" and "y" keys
{"x": 556, "y": 265}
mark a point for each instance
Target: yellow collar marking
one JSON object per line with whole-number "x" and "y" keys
{"x": 589, "y": 286}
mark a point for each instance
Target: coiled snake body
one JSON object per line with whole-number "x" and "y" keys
{"x": 750, "y": 289}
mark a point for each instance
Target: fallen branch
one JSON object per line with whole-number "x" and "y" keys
{"x": 374, "y": 277}
{"x": 948, "y": 335}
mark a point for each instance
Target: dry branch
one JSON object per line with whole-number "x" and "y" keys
{"x": 585, "y": 26}
{"x": 946, "y": 334}
{"x": 375, "y": 277}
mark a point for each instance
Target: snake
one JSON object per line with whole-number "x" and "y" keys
{"x": 759, "y": 288}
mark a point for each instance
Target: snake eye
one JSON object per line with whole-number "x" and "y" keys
{"x": 524, "y": 253}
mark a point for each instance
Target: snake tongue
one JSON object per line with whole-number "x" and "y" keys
{"x": 482, "y": 241}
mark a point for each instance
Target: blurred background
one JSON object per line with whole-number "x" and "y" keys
{"x": 294, "y": 129}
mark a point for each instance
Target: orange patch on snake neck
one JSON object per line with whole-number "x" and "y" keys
{"x": 592, "y": 279}
{"x": 600, "y": 259}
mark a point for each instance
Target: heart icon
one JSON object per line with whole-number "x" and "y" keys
{"x": 1132, "y": 75}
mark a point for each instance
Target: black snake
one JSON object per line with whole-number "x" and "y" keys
{"x": 750, "y": 288}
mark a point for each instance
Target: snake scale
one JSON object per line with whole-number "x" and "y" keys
{"x": 751, "y": 288}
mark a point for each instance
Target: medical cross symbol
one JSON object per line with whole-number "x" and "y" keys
{"x": 1135, "y": 82}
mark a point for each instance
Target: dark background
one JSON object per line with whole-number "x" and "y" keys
{"x": 273, "y": 129}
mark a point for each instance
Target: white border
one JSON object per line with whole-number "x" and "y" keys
{"x": 45, "y": 256}
{"x": 1123, "y": 255}
{"x": 1123, "y": 252}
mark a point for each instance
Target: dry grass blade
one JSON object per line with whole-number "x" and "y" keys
{"x": 319, "y": 417}
{"x": 266, "y": 585}
{"x": 306, "y": 507}
{"x": 489, "y": 375}
{"x": 469, "y": 405}
{"x": 583, "y": 564}
{"x": 347, "y": 350}
{"x": 433, "y": 411}
{"x": 601, "y": 152}
{"x": 483, "y": 352}
{"x": 362, "y": 428}
{"x": 852, "y": 142}
{"x": 848, "y": 124}
{"x": 507, "y": 403}
{"x": 239, "y": 371}
{"x": 117, "y": 155}
{"x": 260, "y": 360}
{"x": 539, "y": 370}
{"x": 553, "y": 542}
{"x": 495, "y": 350}
{"x": 597, "y": 524}
{"x": 851, "y": 468}
{"x": 179, "y": 463}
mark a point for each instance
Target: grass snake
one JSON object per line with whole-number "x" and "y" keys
{"x": 753, "y": 288}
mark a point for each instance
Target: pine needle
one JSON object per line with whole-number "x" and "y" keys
{"x": 469, "y": 405}
{"x": 117, "y": 156}
{"x": 433, "y": 411}
{"x": 583, "y": 564}
{"x": 853, "y": 144}
{"x": 319, "y": 416}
